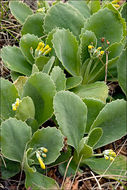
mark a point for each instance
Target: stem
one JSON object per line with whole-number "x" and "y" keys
{"x": 101, "y": 154}
{"x": 87, "y": 71}
{"x": 106, "y": 66}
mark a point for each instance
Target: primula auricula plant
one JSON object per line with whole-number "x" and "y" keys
{"x": 59, "y": 73}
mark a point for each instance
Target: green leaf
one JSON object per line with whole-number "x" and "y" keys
{"x": 37, "y": 181}
{"x": 71, "y": 115}
{"x": 94, "y": 136}
{"x": 27, "y": 42}
{"x": 94, "y": 106}
{"x": 19, "y": 83}
{"x": 15, "y": 75}
{"x": 124, "y": 11}
{"x": 58, "y": 76}
{"x": 41, "y": 89}
{"x": 104, "y": 167}
{"x": 11, "y": 169}
{"x": 81, "y": 6}
{"x": 25, "y": 109}
{"x": 97, "y": 90}
{"x": 50, "y": 138}
{"x": 86, "y": 152}
{"x": 73, "y": 82}
{"x": 63, "y": 15}
{"x": 48, "y": 66}
{"x": 35, "y": 69}
{"x": 20, "y": 11}
{"x": 94, "y": 6}
{"x": 86, "y": 39}
{"x": 121, "y": 67}
{"x": 41, "y": 61}
{"x": 14, "y": 60}
{"x": 49, "y": 41}
{"x": 8, "y": 95}
{"x": 15, "y": 134}
{"x": 33, "y": 25}
{"x": 106, "y": 23}
{"x": 66, "y": 48}
{"x": 112, "y": 120}
{"x": 33, "y": 124}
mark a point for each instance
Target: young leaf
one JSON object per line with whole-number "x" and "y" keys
{"x": 8, "y": 96}
{"x": 50, "y": 138}
{"x": 20, "y": 11}
{"x": 15, "y": 61}
{"x": 97, "y": 90}
{"x": 94, "y": 6}
{"x": 25, "y": 109}
{"x": 41, "y": 89}
{"x": 63, "y": 15}
{"x": 71, "y": 115}
{"x": 121, "y": 67}
{"x": 41, "y": 61}
{"x": 66, "y": 48}
{"x": 27, "y": 42}
{"x": 15, "y": 134}
{"x": 58, "y": 76}
{"x": 33, "y": 25}
{"x": 48, "y": 66}
{"x": 112, "y": 120}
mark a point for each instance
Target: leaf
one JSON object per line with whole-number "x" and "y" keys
{"x": 33, "y": 124}
{"x": 11, "y": 169}
{"x": 15, "y": 134}
{"x": 38, "y": 181}
{"x": 63, "y": 15}
{"x": 86, "y": 152}
{"x": 97, "y": 90}
{"x": 27, "y": 42}
{"x": 49, "y": 41}
{"x": 50, "y": 138}
{"x": 71, "y": 115}
{"x": 8, "y": 95}
{"x": 94, "y": 136}
{"x": 41, "y": 89}
{"x": 35, "y": 69}
{"x": 66, "y": 48}
{"x": 94, "y": 6}
{"x": 15, "y": 75}
{"x": 20, "y": 11}
{"x": 123, "y": 11}
{"x": 121, "y": 67}
{"x": 81, "y": 6}
{"x": 25, "y": 109}
{"x": 19, "y": 83}
{"x": 112, "y": 120}
{"x": 94, "y": 106}
{"x": 14, "y": 60}
{"x": 73, "y": 82}
{"x": 41, "y": 61}
{"x": 104, "y": 23}
{"x": 33, "y": 25}
{"x": 48, "y": 66}
{"x": 100, "y": 165}
{"x": 58, "y": 76}
{"x": 86, "y": 39}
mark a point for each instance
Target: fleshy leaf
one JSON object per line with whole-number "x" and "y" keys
{"x": 15, "y": 134}
{"x": 33, "y": 25}
{"x": 121, "y": 67}
{"x": 100, "y": 165}
{"x": 97, "y": 90}
{"x": 20, "y": 11}
{"x": 25, "y": 109}
{"x": 48, "y": 66}
{"x": 94, "y": 136}
{"x": 27, "y": 42}
{"x": 15, "y": 61}
{"x": 35, "y": 69}
{"x": 66, "y": 48}
{"x": 71, "y": 115}
{"x": 8, "y": 95}
{"x": 41, "y": 89}
{"x": 63, "y": 15}
{"x": 112, "y": 120}
{"x": 59, "y": 78}
{"x": 73, "y": 82}
{"x": 19, "y": 83}
{"x": 94, "y": 106}
{"x": 94, "y": 6}
{"x": 50, "y": 138}
{"x": 41, "y": 61}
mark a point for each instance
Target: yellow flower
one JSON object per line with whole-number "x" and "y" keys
{"x": 101, "y": 52}
{"x": 46, "y": 52}
{"x": 115, "y": 1}
{"x": 106, "y": 157}
{"x": 40, "y": 161}
{"x": 99, "y": 48}
{"x": 14, "y": 107}
{"x": 111, "y": 158}
{"x": 45, "y": 150}
{"x": 40, "y": 45}
{"x": 17, "y": 102}
{"x": 90, "y": 47}
{"x": 116, "y": 5}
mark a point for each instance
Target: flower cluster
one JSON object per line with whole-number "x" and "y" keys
{"x": 95, "y": 52}
{"x": 39, "y": 154}
{"x": 109, "y": 154}
{"x": 16, "y": 104}
{"x": 115, "y": 3}
{"x": 42, "y": 49}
